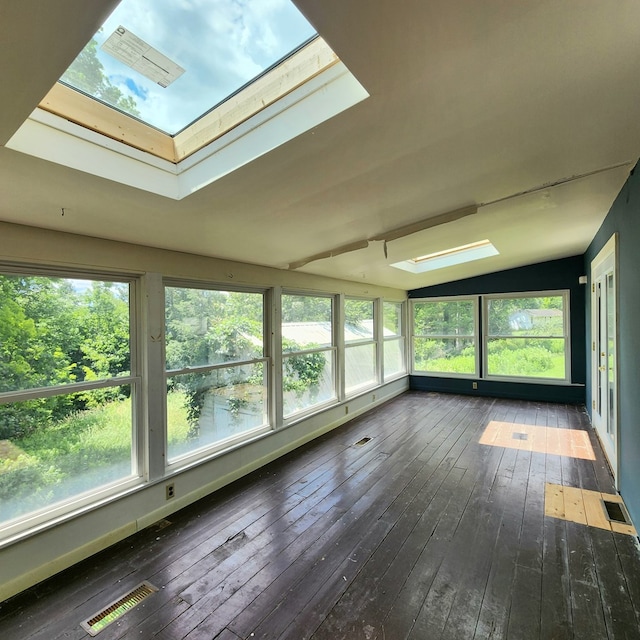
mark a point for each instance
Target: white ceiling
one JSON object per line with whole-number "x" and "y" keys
{"x": 470, "y": 103}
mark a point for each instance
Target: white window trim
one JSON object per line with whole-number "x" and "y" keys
{"x": 475, "y": 337}
{"x": 206, "y": 452}
{"x": 566, "y": 324}
{"x": 373, "y": 340}
{"x": 49, "y": 516}
{"x": 401, "y": 337}
{"x": 334, "y": 348}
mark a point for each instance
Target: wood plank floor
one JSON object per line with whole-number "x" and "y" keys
{"x": 419, "y": 533}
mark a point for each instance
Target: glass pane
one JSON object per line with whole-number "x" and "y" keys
{"x": 358, "y": 320}
{"x": 526, "y": 357}
{"x": 204, "y": 326}
{"x": 359, "y": 367}
{"x": 219, "y": 46}
{"x": 306, "y": 322}
{"x": 206, "y": 408}
{"x": 53, "y": 449}
{"x": 526, "y": 316}
{"x": 393, "y": 357}
{"x": 307, "y": 381}
{"x": 611, "y": 353}
{"x": 448, "y": 355}
{"x": 392, "y": 319}
{"x": 450, "y": 318}
{"x": 59, "y": 330}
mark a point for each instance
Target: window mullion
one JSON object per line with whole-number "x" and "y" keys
{"x": 154, "y": 425}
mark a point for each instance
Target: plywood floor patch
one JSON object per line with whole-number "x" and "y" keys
{"x": 582, "y": 506}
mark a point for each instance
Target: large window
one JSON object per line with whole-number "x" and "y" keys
{"x": 308, "y": 352}
{"x": 445, "y": 336}
{"x": 394, "y": 349}
{"x": 68, "y": 391}
{"x": 360, "y": 368}
{"x": 216, "y": 367}
{"x": 79, "y": 424}
{"x": 527, "y": 336}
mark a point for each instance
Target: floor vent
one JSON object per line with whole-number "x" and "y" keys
{"x": 520, "y": 436}
{"x": 616, "y": 512}
{"x": 363, "y": 441}
{"x": 118, "y": 608}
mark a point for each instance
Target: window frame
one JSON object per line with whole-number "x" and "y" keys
{"x": 48, "y": 516}
{"x": 206, "y": 452}
{"x": 399, "y": 337}
{"x": 566, "y": 335}
{"x": 475, "y": 337}
{"x": 373, "y": 341}
{"x": 291, "y": 418}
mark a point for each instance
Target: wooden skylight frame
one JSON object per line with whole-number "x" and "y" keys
{"x": 296, "y": 70}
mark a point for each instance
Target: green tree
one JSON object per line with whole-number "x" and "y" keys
{"x": 102, "y": 320}
{"x": 206, "y": 327}
{"x": 34, "y": 321}
{"x": 87, "y": 74}
{"x": 356, "y": 311}
{"x": 306, "y": 308}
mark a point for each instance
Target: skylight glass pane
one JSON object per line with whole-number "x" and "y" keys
{"x": 222, "y": 45}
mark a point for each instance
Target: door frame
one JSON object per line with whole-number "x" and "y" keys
{"x": 610, "y": 249}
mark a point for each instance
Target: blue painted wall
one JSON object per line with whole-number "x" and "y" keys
{"x": 552, "y": 275}
{"x": 624, "y": 218}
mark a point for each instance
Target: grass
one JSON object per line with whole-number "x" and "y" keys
{"x": 531, "y": 362}
{"x": 84, "y": 451}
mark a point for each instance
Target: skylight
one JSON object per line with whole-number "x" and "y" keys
{"x": 169, "y": 62}
{"x": 448, "y": 257}
{"x": 206, "y": 86}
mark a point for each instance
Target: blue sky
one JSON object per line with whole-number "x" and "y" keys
{"x": 222, "y": 44}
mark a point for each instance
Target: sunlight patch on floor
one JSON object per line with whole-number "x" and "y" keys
{"x": 574, "y": 443}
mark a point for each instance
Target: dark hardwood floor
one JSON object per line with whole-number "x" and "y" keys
{"x": 420, "y": 533}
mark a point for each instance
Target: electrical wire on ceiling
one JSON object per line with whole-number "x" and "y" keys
{"x": 445, "y": 218}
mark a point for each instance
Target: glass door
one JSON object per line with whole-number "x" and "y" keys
{"x": 604, "y": 351}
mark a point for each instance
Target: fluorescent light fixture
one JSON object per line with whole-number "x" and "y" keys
{"x": 448, "y": 257}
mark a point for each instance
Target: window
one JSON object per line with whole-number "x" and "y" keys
{"x": 68, "y": 394}
{"x": 308, "y": 352}
{"x": 445, "y": 336}
{"x": 527, "y": 336}
{"x": 394, "y": 364}
{"x": 360, "y": 369}
{"x": 216, "y": 368}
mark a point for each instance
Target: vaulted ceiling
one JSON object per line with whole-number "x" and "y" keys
{"x": 526, "y": 109}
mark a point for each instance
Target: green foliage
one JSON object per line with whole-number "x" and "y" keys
{"x": 534, "y": 358}
{"x": 52, "y": 334}
{"x": 508, "y": 357}
{"x": 444, "y": 356}
{"x": 449, "y": 318}
{"x": 392, "y": 316}
{"x": 210, "y": 327}
{"x": 302, "y": 372}
{"x": 511, "y": 316}
{"x": 87, "y": 74}
{"x": 83, "y": 450}
{"x": 297, "y": 308}
{"x": 356, "y": 311}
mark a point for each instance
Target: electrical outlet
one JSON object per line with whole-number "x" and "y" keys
{"x": 170, "y": 490}
{"x": 373, "y": 397}
{"x": 474, "y": 385}
{"x": 346, "y": 409}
